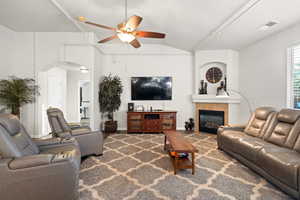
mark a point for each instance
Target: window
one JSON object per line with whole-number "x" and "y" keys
{"x": 294, "y": 77}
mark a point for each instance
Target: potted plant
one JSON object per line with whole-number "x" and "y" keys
{"x": 110, "y": 90}
{"x": 16, "y": 92}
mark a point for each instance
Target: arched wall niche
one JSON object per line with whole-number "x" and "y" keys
{"x": 212, "y": 87}
{"x": 227, "y": 59}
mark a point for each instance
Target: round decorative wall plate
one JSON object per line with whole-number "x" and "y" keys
{"x": 214, "y": 75}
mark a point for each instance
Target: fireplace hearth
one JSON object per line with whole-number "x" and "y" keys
{"x": 210, "y": 120}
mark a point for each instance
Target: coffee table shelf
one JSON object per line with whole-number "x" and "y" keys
{"x": 175, "y": 142}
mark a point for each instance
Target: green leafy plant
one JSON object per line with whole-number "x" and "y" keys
{"x": 16, "y": 92}
{"x": 110, "y": 90}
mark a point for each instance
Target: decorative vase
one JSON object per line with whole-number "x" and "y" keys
{"x": 110, "y": 126}
{"x": 201, "y": 90}
{"x": 225, "y": 84}
{"x": 205, "y": 88}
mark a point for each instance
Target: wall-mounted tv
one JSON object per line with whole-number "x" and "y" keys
{"x": 151, "y": 88}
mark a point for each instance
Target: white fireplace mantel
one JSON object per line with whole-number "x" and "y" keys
{"x": 215, "y": 99}
{"x": 232, "y": 101}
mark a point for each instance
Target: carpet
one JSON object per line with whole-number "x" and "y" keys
{"x": 135, "y": 167}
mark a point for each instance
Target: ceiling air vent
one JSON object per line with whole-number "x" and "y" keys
{"x": 271, "y": 23}
{"x": 268, "y": 25}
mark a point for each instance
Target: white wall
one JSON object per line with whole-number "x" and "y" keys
{"x": 6, "y": 50}
{"x": 38, "y": 52}
{"x": 263, "y": 70}
{"x": 53, "y": 87}
{"x": 97, "y": 75}
{"x": 84, "y": 54}
{"x": 51, "y": 48}
{"x": 180, "y": 67}
{"x": 57, "y": 88}
{"x": 16, "y": 55}
{"x": 25, "y": 54}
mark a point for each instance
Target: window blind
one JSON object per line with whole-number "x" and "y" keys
{"x": 296, "y": 76}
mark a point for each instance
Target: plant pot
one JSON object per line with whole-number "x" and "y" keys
{"x": 110, "y": 126}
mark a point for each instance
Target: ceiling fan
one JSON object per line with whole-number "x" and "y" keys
{"x": 126, "y": 31}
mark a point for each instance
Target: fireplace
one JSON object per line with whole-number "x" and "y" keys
{"x": 210, "y": 120}
{"x": 222, "y": 108}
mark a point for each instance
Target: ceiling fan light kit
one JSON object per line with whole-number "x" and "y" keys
{"x": 125, "y": 37}
{"x": 126, "y": 31}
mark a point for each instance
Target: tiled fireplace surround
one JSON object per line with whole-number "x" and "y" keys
{"x": 212, "y": 107}
{"x": 228, "y": 61}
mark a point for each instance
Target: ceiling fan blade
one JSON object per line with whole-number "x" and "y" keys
{"x": 108, "y": 39}
{"x": 99, "y": 25}
{"x": 135, "y": 43}
{"x": 147, "y": 34}
{"x": 133, "y": 22}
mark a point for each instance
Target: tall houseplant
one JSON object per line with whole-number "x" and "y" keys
{"x": 16, "y": 92}
{"x": 110, "y": 90}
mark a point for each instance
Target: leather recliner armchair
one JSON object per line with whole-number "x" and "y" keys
{"x": 90, "y": 142}
{"x": 35, "y": 170}
{"x": 270, "y": 145}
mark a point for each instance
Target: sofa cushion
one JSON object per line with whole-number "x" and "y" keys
{"x": 14, "y": 140}
{"x": 284, "y": 130}
{"x": 288, "y": 115}
{"x": 280, "y": 133}
{"x": 240, "y": 143}
{"x": 57, "y": 121}
{"x": 11, "y": 124}
{"x": 280, "y": 163}
{"x": 262, "y": 113}
{"x": 255, "y": 128}
{"x": 259, "y": 121}
{"x": 297, "y": 145}
{"x": 248, "y": 147}
{"x": 228, "y": 139}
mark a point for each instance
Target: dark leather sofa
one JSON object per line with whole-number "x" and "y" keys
{"x": 36, "y": 169}
{"x": 269, "y": 144}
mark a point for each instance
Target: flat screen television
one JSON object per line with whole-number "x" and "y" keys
{"x": 151, "y": 88}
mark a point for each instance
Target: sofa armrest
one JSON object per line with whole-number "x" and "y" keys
{"x": 34, "y": 161}
{"x": 74, "y": 125}
{"x": 90, "y": 143}
{"x": 236, "y": 127}
{"x": 232, "y": 128}
{"x": 30, "y": 161}
{"x": 66, "y": 135}
{"x": 52, "y": 141}
{"x": 32, "y": 182}
{"x": 81, "y": 131}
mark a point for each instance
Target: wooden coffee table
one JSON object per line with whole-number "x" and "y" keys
{"x": 175, "y": 142}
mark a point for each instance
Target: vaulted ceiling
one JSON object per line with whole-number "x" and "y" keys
{"x": 190, "y": 25}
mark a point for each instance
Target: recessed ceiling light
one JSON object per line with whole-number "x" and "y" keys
{"x": 268, "y": 25}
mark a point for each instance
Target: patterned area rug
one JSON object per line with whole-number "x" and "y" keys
{"x": 134, "y": 166}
